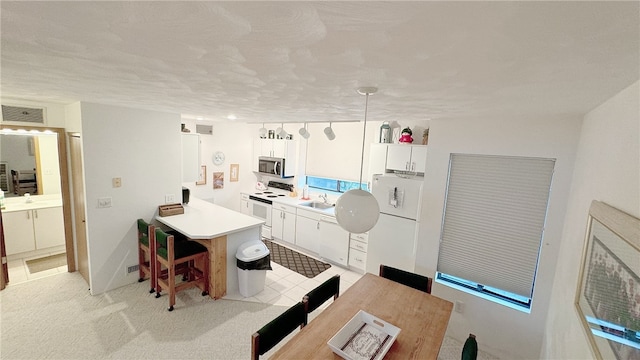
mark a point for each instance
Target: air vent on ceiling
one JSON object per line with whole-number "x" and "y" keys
{"x": 22, "y": 114}
{"x": 204, "y": 129}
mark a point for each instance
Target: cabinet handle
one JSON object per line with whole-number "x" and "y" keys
{"x": 284, "y": 215}
{"x": 406, "y": 166}
{"x": 413, "y": 166}
{"x": 28, "y": 216}
{"x": 35, "y": 214}
{"x": 318, "y": 225}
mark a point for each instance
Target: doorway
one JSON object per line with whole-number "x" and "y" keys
{"x": 61, "y": 171}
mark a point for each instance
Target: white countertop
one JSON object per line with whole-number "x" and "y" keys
{"x": 204, "y": 220}
{"x": 13, "y": 204}
{"x": 298, "y": 201}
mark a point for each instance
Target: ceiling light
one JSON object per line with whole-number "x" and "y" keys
{"x": 262, "y": 132}
{"x": 280, "y": 131}
{"x": 329, "y": 132}
{"x": 199, "y": 118}
{"x": 357, "y": 210}
{"x": 231, "y": 117}
{"x": 304, "y": 132}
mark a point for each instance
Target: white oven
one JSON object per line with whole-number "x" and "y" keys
{"x": 261, "y": 209}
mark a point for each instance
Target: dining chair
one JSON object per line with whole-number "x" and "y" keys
{"x": 277, "y": 329}
{"x": 416, "y": 281}
{"x": 179, "y": 257}
{"x": 470, "y": 348}
{"x": 146, "y": 268}
{"x": 318, "y": 296}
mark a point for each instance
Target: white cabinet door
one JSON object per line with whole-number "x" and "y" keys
{"x": 307, "y": 233}
{"x": 418, "y": 158}
{"x": 334, "y": 241}
{"x": 283, "y": 222}
{"x": 18, "y": 232}
{"x": 398, "y": 157}
{"x": 377, "y": 160}
{"x": 48, "y": 227}
{"x": 244, "y": 204}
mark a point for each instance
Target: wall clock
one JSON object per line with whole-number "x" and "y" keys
{"x": 218, "y": 158}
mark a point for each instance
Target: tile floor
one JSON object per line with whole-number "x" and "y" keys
{"x": 19, "y": 271}
{"x": 287, "y": 287}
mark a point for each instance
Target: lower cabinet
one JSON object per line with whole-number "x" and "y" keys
{"x": 244, "y": 204}
{"x": 358, "y": 251}
{"x": 308, "y": 230}
{"x": 334, "y": 241}
{"x": 33, "y": 229}
{"x": 283, "y": 222}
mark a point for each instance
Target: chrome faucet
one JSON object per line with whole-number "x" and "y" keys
{"x": 324, "y": 197}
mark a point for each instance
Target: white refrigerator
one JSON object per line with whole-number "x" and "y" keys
{"x": 392, "y": 241}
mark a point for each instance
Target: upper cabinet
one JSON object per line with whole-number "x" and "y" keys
{"x": 190, "y": 157}
{"x": 397, "y": 157}
{"x": 276, "y": 148}
{"x": 403, "y": 157}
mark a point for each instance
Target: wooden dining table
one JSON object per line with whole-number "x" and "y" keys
{"x": 421, "y": 317}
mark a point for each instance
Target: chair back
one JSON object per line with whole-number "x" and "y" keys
{"x": 143, "y": 232}
{"x": 318, "y": 296}
{"x": 416, "y": 281}
{"x": 271, "y": 334}
{"x": 470, "y": 348}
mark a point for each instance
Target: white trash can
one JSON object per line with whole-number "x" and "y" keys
{"x": 253, "y": 260}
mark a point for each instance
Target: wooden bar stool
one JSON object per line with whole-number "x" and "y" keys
{"x": 146, "y": 268}
{"x": 180, "y": 257}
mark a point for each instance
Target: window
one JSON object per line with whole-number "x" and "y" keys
{"x": 493, "y": 225}
{"x": 340, "y": 186}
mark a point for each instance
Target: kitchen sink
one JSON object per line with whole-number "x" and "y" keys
{"x": 318, "y": 205}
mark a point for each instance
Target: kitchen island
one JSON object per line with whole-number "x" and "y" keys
{"x": 221, "y": 231}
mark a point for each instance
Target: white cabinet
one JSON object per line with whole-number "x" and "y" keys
{"x": 334, "y": 241}
{"x": 308, "y": 230}
{"x": 377, "y": 160}
{"x": 190, "y": 157}
{"x": 33, "y": 229}
{"x": 358, "y": 251}
{"x": 283, "y": 222}
{"x": 244, "y": 204}
{"x": 404, "y": 157}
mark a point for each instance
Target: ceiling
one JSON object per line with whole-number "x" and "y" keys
{"x": 302, "y": 61}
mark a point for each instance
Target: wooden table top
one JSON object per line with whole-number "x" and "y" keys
{"x": 422, "y": 318}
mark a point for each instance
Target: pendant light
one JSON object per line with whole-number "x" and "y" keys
{"x": 262, "y": 132}
{"x": 357, "y": 210}
{"x": 304, "y": 132}
{"x": 329, "y": 132}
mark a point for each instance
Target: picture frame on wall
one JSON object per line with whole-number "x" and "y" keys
{"x": 234, "y": 169}
{"x": 608, "y": 293}
{"x": 202, "y": 176}
{"x": 218, "y": 180}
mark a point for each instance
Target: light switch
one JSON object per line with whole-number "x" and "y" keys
{"x": 117, "y": 182}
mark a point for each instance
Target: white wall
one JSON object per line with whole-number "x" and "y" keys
{"x": 235, "y": 140}
{"x": 607, "y": 169}
{"x": 142, "y": 148}
{"x": 502, "y": 331}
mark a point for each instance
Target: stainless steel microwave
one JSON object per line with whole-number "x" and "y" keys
{"x": 273, "y": 166}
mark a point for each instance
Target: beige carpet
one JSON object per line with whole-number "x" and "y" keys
{"x": 57, "y": 318}
{"x": 46, "y": 263}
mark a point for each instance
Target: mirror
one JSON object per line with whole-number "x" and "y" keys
{"x": 29, "y": 163}
{"x": 608, "y": 295}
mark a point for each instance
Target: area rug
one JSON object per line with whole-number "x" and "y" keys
{"x": 46, "y": 263}
{"x": 295, "y": 261}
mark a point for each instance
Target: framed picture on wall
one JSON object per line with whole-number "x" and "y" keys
{"x": 608, "y": 294}
{"x": 233, "y": 172}
{"x": 202, "y": 176}
{"x": 218, "y": 180}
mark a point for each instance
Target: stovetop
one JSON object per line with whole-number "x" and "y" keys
{"x": 274, "y": 190}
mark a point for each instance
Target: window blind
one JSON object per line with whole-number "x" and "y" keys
{"x": 494, "y": 217}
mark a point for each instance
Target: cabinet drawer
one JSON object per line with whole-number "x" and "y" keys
{"x": 358, "y": 245}
{"x": 244, "y": 196}
{"x": 360, "y": 237}
{"x": 357, "y": 259}
{"x": 283, "y": 207}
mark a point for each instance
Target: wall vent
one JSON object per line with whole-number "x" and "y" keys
{"x": 204, "y": 129}
{"x": 132, "y": 268}
{"x": 22, "y": 114}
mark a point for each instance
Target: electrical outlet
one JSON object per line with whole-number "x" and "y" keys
{"x": 117, "y": 182}
{"x": 104, "y": 202}
{"x": 459, "y": 307}
{"x": 169, "y": 198}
